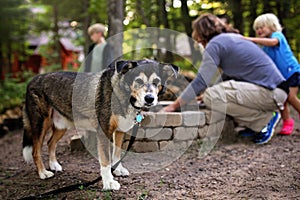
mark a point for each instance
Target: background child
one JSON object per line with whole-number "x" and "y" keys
{"x": 274, "y": 43}
{"x": 100, "y": 53}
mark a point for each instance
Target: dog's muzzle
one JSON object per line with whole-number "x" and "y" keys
{"x": 149, "y": 98}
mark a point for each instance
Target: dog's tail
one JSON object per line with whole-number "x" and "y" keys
{"x": 27, "y": 138}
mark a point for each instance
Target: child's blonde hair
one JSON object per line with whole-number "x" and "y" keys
{"x": 96, "y": 28}
{"x": 270, "y": 20}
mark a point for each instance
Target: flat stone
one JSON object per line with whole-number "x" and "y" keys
{"x": 159, "y": 134}
{"x": 193, "y": 118}
{"x": 185, "y": 133}
{"x": 145, "y": 146}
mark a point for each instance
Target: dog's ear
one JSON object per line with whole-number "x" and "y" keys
{"x": 169, "y": 70}
{"x": 122, "y": 66}
{"x": 175, "y": 69}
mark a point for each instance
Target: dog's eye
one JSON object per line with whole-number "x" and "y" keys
{"x": 156, "y": 81}
{"x": 139, "y": 81}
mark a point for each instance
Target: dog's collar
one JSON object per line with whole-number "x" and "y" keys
{"x": 139, "y": 116}
{"x": 138, "y": 108}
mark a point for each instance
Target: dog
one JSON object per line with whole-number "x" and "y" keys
{"x": 106, "y": 103}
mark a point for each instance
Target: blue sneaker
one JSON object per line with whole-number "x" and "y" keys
{"x": 266, "y": 133}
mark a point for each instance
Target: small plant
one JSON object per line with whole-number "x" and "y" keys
{"x": 143, "y": 196}
{"x": 161, "y": 182}
{"x": 81, "y": 187}
{"x": 107, "y": 195}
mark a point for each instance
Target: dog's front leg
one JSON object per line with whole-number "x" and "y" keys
{"x": 117, "y": 150}
{"x": 105, "y": 164}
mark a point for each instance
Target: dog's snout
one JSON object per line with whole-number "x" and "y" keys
{"x": 149, "y": 98}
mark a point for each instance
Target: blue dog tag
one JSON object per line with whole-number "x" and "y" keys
{"x": 139, "y": 118}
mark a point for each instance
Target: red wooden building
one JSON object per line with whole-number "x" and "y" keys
{"x": 69, "y": 54}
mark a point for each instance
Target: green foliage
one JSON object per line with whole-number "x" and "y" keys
{"x": 185, "y": 64}
{"x": 13, "y": 24}
{"x": 48, "y": 52}
{"x": 16, "y": 22}
{"x": 40, "y": 19}
{"x": 13, "y": 90}
{"x": 98, "y": 11}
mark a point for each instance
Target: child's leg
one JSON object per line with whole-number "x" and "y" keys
{"x": 285, "y": 114}
{"x": 293, "y": 98}
{"x": 288, "y": 122}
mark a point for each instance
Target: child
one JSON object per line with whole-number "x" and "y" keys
{"x": 100, "y": 52}
{"x": 274, "y": 43}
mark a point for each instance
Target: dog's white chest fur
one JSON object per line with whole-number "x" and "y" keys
{"x": 127, "y": 122}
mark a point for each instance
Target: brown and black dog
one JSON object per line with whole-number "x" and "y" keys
{"x": 105, "y": 103}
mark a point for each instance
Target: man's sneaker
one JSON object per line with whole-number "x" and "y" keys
{"x": 266, "y": 133}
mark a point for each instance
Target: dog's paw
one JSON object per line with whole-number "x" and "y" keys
{"x": 121, "y": 171}
{"x": 45, "y": 174}
{"x": 108, "y": 180}
{"x": 55, "y": 166}
{"x": 111, "y": 185}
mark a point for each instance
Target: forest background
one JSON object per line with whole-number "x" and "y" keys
{"x": 21, "y": 18}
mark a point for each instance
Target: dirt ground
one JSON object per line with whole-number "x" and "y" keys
{"x": 235, "y": 169}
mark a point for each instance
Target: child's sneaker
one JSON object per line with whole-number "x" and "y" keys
{"x": 266, "y": 133}
{"x": 287, "y": 127}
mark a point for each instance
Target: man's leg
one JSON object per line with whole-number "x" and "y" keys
{"x": 250, "y": 105}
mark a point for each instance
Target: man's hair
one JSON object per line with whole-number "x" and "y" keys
{"x": 207, "y": 25}
{"x": 270, "y": 20}
{"x": 96, "y": 28}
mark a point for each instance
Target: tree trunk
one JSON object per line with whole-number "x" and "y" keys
{"x": 253, "y": 15}
{"x": 56, "y": 37}
{"x": 115, "y": 26}
{"x": 86, "y": 23}
{"x": 267, "y": 6}
{"x": 168, "y": 57}
{"x": 1, "y": 64}
{"x": 237, "y": 11}
{"x": 187, "y": 21}
{"x": 141, "y": 12}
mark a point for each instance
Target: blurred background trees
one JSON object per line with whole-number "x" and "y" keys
{"x": 46, "y": 35}
{"x": 22, "y": 19}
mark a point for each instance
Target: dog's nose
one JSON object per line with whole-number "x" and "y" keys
{"x": 149, "y": 98}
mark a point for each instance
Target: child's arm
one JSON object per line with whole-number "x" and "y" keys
{"x": 264, "y": 41}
